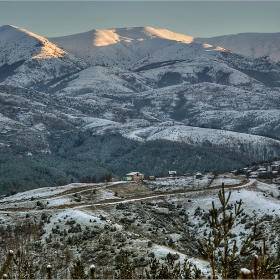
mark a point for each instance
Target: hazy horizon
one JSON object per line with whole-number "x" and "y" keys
{"x": 193, "y": 18}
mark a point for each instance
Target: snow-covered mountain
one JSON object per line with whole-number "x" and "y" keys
{"x": 248, "y": 44}
{"x": 142, "y": 83}
{"x": 97, "y": 79}
{"x": 118, "y": 47}
{"x": 81, "y": 107}
{"x": 38, "y": 117}
{"x": 54, "y": 64}
{"x": 27, "y": 59}
{"x": 189, "y": 59}
{"x": 203, "y": 137}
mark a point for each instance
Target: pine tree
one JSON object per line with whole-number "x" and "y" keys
{"x": 78, "y": 271}
{"x": 125, "y": 269}
{"x": 25, "y": 265}
{"x": 263, "y": 266}
{"x": 218, "y": 246}
{"x": 170, "y": 269}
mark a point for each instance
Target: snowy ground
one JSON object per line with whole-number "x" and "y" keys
{"x": 95, "y": 206}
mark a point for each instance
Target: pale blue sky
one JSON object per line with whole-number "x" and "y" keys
{"x": 195, "y": 18}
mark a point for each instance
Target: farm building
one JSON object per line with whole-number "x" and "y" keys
{"x": 265, "y": 175}
{"x": 198, "y": 175}
{"x": 134, "y": 176}
{"x": 172, "y": 173}
{"x": 254, "y": 174}
{"x": 261, "y": 169}
{"x": 275, "y": 167}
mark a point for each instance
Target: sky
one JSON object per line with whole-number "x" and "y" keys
{"x": 194, "y": 18}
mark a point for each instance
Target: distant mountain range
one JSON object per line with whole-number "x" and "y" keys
{"x": 266, "y": 45}
{"x": 142, "y": 85}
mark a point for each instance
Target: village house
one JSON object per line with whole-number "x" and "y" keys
{"x": 254, "y": 174}
{"x": 134, "y": 176}
{"x": 275, "y": 167}
{"x": 172, "y": 173}
{"x": 262, "y": 169}
{"x": 247, "y": 170}
{"x": 265, "y": 175}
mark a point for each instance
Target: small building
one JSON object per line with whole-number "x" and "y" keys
{"x": 275, "y": 167}
{"x": 134, "y": 176}
{"x": 254, "y": 174}
{"x": 151, "y": 178}
{"x": 198, "y": 175}
{"x": 265, "y": 175}
{"x": 262, "y": 169}
{"x": 172, "y": 173}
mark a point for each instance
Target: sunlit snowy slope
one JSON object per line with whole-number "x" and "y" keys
{"x": 119, "y": 46}
{"x": 27, "y": 59}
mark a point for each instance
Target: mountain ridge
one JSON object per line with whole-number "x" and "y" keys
{"x": 250, "y": 44}
{"x": 31, "y": 59}
{"x": 136, "y": 42}
{"x": 259, "y": 44}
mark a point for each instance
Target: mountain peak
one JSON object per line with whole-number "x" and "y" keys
{"x": 24, "y": 52}
{"x": 13, "y": 28}
{"x": 7, "y": 26}
{"x": 119, "y": 46}
{"x": 31, "y": 44}
{"x": 103, "y": 37}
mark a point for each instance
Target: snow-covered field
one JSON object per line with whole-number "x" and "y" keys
{"x": 96, "y": 206}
